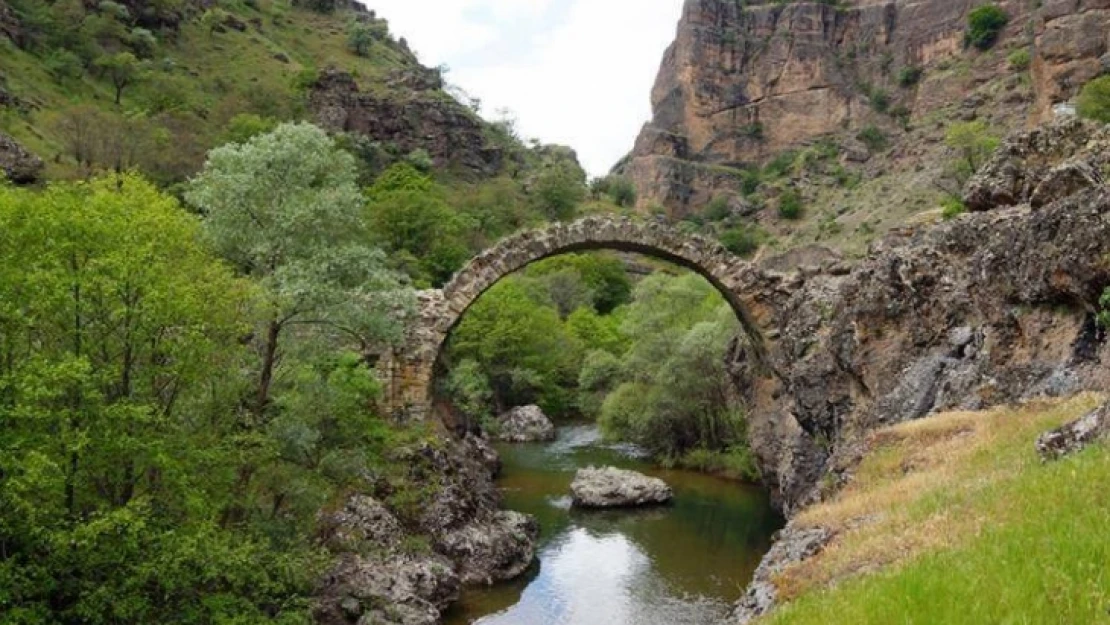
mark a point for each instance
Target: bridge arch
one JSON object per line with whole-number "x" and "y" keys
{"x": 408, "y": 373}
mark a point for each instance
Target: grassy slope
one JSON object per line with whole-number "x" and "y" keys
{"x": 221, "y": 74}
{"x": 954, "y": 520}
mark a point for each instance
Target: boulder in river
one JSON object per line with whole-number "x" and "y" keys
{"x": 525, "y": 424}
{"x": 610, "y": 487}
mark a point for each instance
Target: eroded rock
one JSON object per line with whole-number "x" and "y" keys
{"x": 17, "y": 164}
{"x": 1075, "y": 436}
{"x": 610, "y": 487}
{"x": 525, "y": 424}
{"x": 792, "y": 545}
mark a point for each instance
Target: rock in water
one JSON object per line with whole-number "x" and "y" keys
{"x": 610, "y": 487}
{"x": 525, "y": 424}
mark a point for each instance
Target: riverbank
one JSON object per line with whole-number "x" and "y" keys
{"x": 684, "y": 563}
{"x": 955, "y": 519}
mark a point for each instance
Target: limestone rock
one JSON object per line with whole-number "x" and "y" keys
{"x": 609, "y": 487}
{"x": 525, "y": 424}
{"x": 1076, "y": 435}
{"x": 414, "y": 115}
{"x": 17, "y": 164}
{"x": 792, "y": 545}
{"x": 496, "y": 548}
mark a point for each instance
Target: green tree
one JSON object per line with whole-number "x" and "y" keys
{"x": 985, "y": 24}
{"x": 559, "y": 189}
{"x": 1094, "y": 100}
{"x": 113, "y": 318}
{"x": 285, "y": 209}
{"x": 972, "y": 143}
{"x": 122, "y": 69}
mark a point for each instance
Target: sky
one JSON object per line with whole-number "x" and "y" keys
{"x": 572, "y": 72}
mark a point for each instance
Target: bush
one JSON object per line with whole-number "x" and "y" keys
{"x": 909, "y": 76}
{"x": 740, "y": 240}
{"x": 620, "y": 190}
{"x": 1094, "y": 100}
{"x": 790, "y": 205}
{"x": 880, "y": 101}
{"x": 1020, "y": 60}
{"x": 717, "y": 209}
{"x": 984, "y": 24}
{"x": 952, "y": 207}
{"x": 872, "y": 137}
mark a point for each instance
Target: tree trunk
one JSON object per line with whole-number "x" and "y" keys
{"x": 269, "y": 359}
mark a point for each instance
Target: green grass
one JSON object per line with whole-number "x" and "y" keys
{"x": 1039, "y": 551}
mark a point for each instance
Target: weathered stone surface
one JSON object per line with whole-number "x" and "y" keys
{"x": 378, "y": 577}
{"x": 1075, "y": 436}
{"x": 1042, "y": 165}
{"x": 525, "y": 424}
{"x": 610, "y": 487}
{"x": 414, "y": 114}
{"x": 407, "y": 373}
{"x": 373, "y": 579}
{"x": 792, "y": 544}
{"x": 746, "y": 81}
{"x": 17, "y": 164}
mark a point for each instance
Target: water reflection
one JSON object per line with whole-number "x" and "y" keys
{"x": 680, "y": 564}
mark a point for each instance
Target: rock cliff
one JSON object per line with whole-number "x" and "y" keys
{"x": 746, "y": 81}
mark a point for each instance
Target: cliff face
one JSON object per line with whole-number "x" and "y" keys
{"x": 745, "y": 81}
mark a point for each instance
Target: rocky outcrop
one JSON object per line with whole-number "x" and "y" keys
{"x": 375, "y": 579}
{"x": 1040, "y": 166}
{"x": 609, "y": 487}
{"x": 746, "y": 81}
{"x": 1075, "y": 436}
{"x": 17, "y": 164}
{"x": 410, "y": 113}
{"x": 991, "y": 307}
{"x": 525, "y": 424}
{"x": 791, "y": 545}
{"x": 404, "y": 568}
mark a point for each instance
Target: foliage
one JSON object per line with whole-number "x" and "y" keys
{"x": 1094, "y": 100}
{"x": 740, "y": 240}
{"x": 1019, "y": 60}
{"x": 1104, "y": 309}
{"x": 559, "y": 189}
{"x": 619, "y": 189}
{"x": 718, "y": 208}
{"x": 674, "y": 394}
{"x": 790, "y": 205}
{"x": 361, "y": 35}
{"x": 116, "y": 328}
{"x": 972, "y": 142}
{"x": 984, "y": 25}
{"x": 873, "y": 138}
{"x": 952, "y": 207}
{"x": 909, "y": 76}
{"x": 122, "y": 69}
{"x": 880, "y": 100}
{"x": 284, "y": 209}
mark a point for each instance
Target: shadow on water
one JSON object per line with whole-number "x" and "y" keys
{"x": 677, "y": 564}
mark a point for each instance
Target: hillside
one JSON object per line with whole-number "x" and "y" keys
{"x": 192, "y": 76}
{"x": 840, "y": 111}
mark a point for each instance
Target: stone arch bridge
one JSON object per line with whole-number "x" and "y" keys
{"x": 408, "y": 372}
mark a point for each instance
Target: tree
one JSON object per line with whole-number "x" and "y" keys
{"x": 362, "y": 35}
{"x": 984, "y": 25}
{"x": 113, "y": 319}
{"x": 1094, "y": 100}
{"x": 973, "y": 143}
{"x": 559, "y": 189}
{"x": 122, "y": 69}
{"x": 285, "y": 209}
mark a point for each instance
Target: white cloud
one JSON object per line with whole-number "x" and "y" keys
{"x": 577, "y": 72}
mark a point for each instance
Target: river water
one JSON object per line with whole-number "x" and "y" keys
{"x": 675, "y": 565}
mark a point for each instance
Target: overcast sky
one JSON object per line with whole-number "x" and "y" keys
{"x": 575, "y": 72}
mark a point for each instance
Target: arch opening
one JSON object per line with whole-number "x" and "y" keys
{"x": 411, "y": 379}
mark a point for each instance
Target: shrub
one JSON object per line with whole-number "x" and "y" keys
{"x": 1094, "y": 100}
{"x": 717, "y": 209}
{"x": 872, "y": 137}
{"x": 781, "y": 164}
{"x": 880, "y": 100}
{"x": 790, "y": 205}
{"x": 984, "y": 24}
{"x": 620, "y": 190}
{"x": 909, "y": 76}
{"x": 1019, "y": 60}
{"x": 952, "y": 207}
{"x": 740, "y": 240}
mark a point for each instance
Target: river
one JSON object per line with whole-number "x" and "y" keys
{"x": 675, "y": 565}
